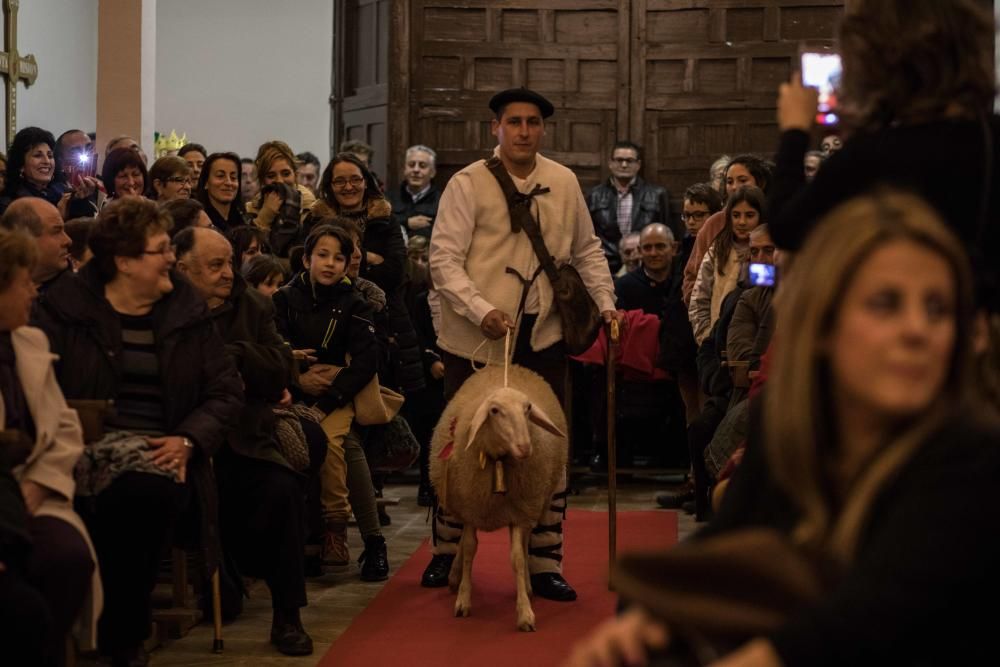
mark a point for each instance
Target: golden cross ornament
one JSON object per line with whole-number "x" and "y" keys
{"x": 13, "y": 67}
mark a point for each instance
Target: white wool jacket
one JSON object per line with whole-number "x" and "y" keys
{"x": 472, "y": 246}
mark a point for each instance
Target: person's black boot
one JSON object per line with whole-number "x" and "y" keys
{"x": 436, "y": 573}
{"x": 288, "y": 635}
{"x": 673, "y": 500}
{"x": 374, "y": 559}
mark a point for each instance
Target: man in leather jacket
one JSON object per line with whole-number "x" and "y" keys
{"x": 625, "y": 202}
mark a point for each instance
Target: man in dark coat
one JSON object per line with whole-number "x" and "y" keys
{"x": 415, "y": 204}
{"x": 626, "y": 203}
{"x": 261, "y": 497}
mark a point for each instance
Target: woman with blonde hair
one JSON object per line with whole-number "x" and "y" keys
{"x": 870, "y": 455}
{"x": 282, "y": 205}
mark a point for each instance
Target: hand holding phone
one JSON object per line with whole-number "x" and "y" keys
{"x": 821, "y": 69}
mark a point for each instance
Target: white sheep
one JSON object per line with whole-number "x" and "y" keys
{"x": 523, "y": 428}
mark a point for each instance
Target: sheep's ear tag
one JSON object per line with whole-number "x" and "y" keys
{"x": 499, "y": 484}
{"x": 482, "y": 460}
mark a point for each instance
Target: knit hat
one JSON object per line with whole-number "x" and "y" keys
{"x": 271, "y": 151}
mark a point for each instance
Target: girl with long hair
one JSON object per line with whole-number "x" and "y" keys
{"x": 720, "y": 269}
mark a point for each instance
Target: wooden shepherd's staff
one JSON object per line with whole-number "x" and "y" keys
{"x": 612, "y": 445}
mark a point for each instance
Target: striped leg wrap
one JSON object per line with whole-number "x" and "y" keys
{"x": 445, "y": 532}
{"x": 545, "y": 546}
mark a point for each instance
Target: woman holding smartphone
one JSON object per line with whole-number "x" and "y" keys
{"x": 917, "y": 115}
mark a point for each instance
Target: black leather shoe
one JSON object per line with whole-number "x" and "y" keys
{"x": 674, "y": 500}
{"x": 291, "y": 639}
{"x": 436, "y": 573}
{"x": 552, "y": 586}
{"x": 374, "y": 559}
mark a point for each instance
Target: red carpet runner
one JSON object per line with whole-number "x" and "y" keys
{"x": 413, "y": 626}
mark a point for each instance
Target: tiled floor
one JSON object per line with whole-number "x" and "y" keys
{"x": 334, "y": 600}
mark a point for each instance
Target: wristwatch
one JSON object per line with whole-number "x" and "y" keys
{"x": 187, "y": 443}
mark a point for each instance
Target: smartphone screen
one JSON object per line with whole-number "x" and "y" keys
{"x": 762, "y": 275}
{"x": 822, "y": 71}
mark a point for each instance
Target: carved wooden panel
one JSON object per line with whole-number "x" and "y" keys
{"x": 687, "y": 79}
{"x": 462, "y": 53}
{"x": 705, "y": 75}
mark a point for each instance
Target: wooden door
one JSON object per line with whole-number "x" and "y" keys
{"x": 459, "y": 54}
{"x": 360, "y": 99}
{"x": 705, "y": 75}
{"x": 687, "y": 79}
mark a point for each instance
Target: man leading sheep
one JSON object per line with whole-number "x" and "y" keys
{"x": 472, "y": 247}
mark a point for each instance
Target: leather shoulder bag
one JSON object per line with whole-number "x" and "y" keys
{"x": 581, "y": 320}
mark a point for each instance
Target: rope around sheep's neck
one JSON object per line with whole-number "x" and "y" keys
{"x": 499, "y": 481}
{"x": 506, "y": 356}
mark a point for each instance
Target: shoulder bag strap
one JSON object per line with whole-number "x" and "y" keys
{"x": 519, "y": 205}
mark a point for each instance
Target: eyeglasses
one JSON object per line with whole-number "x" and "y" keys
{"x": 694, "y": 215}
{"x": 180, "y": 179}
{"x": 353, "y": 181}
{"x": 627, "y": 161}
{"x": 165, "y": 250}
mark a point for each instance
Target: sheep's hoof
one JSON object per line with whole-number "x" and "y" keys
{"x": 462, "y": 609}
{"x": 527, "y": 624}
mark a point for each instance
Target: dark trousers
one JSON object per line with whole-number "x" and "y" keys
{"x": 25, "y": 621}
{"x": 317, "y": 444}
{"x": 131, "y": 523}
{"x": 422, "y": 411}
{"x": 262, "y": 508}
{"x": 700, "y": 433}
{"x": 60, "y": 568}
{"x": 550, "y": 363}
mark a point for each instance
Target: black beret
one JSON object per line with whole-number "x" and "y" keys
{"x": 505, "y": 97}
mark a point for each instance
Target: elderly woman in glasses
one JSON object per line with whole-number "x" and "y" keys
{"x": 170, "y": 178}
{"x": 127, "y": 329}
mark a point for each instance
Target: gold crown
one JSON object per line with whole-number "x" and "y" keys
{"x": 172, "y": 143}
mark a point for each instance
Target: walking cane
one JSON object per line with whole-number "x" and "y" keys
{"x": 217, "y": 645}
{"x": 612, "y": 446}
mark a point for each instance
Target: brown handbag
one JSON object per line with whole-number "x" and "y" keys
{"x": 374, "y": 404}
{"x": 581, "y": 320}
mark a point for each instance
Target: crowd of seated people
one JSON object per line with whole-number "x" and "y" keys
{"x": 825, "y": 333}
{"x": 191, "y": 322}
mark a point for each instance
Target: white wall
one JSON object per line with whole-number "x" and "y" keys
{"x": 235, "y": 73}
{"x": 62, "y": 35}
